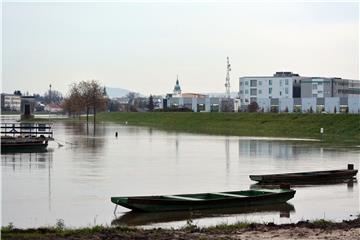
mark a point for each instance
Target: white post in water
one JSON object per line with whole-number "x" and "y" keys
{"x": 322, "y": 133}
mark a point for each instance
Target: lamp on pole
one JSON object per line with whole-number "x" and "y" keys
{"x": 49, "y": 101}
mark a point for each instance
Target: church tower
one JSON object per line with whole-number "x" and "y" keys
{"x": 177, "y": 89}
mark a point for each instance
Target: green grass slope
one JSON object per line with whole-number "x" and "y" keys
{"x": 340, "y": 128}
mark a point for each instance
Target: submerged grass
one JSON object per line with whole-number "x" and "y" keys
{"x": 338, "y": 128}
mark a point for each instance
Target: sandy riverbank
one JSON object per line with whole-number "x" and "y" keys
{"x": 302, "y": 230}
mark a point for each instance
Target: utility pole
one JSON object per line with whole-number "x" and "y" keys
{"x": 49, "y": 105}
{"x": 227, "y": 82}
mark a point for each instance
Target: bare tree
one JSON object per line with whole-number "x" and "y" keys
{"x": 53, "y": 96}
{"x": 74, "y": 103}
{"x": 86, "y": 96}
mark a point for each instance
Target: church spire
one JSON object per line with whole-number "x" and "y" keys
{"x": 177, "y": 89}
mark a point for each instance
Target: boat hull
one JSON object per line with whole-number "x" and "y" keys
{"x": 163, "y": 203}
{"x": 306, "y": 177}
{"x": 23, "y": 145}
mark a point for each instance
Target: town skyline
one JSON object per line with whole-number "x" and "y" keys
{"x": 142, "y": 47}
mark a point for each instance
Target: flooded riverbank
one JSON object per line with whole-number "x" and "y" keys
{"x": 74, "y": 182}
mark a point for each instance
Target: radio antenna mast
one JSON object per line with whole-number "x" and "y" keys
{"x": 227, "y": 82}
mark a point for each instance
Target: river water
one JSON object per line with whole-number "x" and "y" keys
{"x": 74, "y": 180}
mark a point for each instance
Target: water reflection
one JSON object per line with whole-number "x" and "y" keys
{"x": 349, "y": 183}
{"x": 33, "y": 162}
{"x": 138, "y": 219}
{"x": 28, "y": 159}
{"x": 285, "y": 150}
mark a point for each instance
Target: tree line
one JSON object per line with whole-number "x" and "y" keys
{"x": 85, "y": 97}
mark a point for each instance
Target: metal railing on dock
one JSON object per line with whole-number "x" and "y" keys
{"x": 26, "y": 130}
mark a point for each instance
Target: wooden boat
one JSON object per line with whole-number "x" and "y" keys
{"x": 307, "y": 177}
{"x": 145, "y": 218}
{"x": 200, "y": 201}
{"x": 14, "y": 144}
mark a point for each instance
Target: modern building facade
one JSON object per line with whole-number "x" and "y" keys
{"x": 280, "y": 85}
{"x": 289, "y": 92}
{"x": 329, "y": 87}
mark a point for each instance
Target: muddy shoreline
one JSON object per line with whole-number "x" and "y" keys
{"x": 320, "y": 229}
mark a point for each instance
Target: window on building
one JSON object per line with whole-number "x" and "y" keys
{"x": 286, "y": 91}
{"x": 286, "y": 81}
{"x": 253, "y": 92}
{"x": 246, "y": 83}
{"x": 260, "y": 83}
{"x": 253, "y": 99}
{"x": 314, "y": 86}
{"x": 241, "y": 83}
{"x": 281, "y": 82}
{"x": 246, "y": 100}
{"x": 270, "y": 82}
{"x": 246, "y": 91}
{"x": 280, "y": 93}
{"x": 241, "y": 91}
{"x": 253, "y": 83}
{"x": 260, "y": 92}
{"x": 314, "y": 95}
{"x": 270, "y": 90}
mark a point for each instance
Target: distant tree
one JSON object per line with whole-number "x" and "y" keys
{"x": 53, "y": 96}
{"x": 335, "y": 109}
{"x": 253, "y": 107}
{"x": 104, "y": 92}
{"x": 151, "y": 104}
{"x": 93, "y": 97}
{"x": 85, "y": 96}
{"x": 113, "y": 106}
{"x": 17, "y": 93}
{"x": 74, "y": 103}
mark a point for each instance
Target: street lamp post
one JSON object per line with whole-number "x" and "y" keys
{"x": 49, "y": 101}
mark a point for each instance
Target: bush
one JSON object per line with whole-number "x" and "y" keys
{"x": 253, "y": 107}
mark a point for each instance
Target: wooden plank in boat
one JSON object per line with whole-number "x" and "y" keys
{"x": 229, "y": 195}
{"x": 184, "y": 198}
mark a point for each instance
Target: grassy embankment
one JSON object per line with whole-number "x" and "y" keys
{"x": 338, "y": 128}
{"x": 189, "y": 231}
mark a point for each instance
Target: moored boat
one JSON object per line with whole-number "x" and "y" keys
{"x": 307, "y": 177}
{"x": 15, "y": 144}
{"x": 200, "y": 201}
{"x": 23, "y": 137}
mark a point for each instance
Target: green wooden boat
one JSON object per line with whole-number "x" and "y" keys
{"x": 307, "y": 177}
{"x": 198, "y": 201}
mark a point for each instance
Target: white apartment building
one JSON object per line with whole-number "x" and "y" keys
{"x": 280, "y": 85}
{"x": 10, "y": 102}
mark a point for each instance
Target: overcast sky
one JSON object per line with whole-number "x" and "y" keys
{"x": 143, "y": 46}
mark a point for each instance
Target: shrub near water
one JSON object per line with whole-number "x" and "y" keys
{"x": 340, "y": 128}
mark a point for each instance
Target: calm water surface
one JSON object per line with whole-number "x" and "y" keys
{"x": 74, "y": 182}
